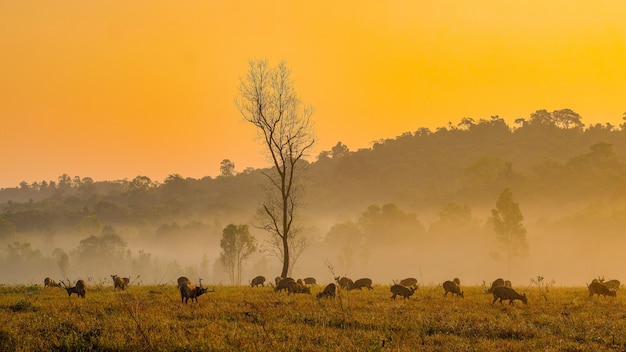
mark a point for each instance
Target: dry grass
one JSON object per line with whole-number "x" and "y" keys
{"x": 257, "y": 319}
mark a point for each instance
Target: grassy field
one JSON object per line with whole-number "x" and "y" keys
{"x": 33, "y": 318}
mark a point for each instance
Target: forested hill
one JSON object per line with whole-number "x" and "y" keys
{"x": 554, "y": 165}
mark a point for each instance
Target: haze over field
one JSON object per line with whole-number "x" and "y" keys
{"x": 115, "y": 90}
{"x": 423, "y": 96}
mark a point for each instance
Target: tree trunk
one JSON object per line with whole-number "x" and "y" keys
{"x": 285, "y": 257}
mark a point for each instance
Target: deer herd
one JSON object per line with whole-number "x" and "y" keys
{"x": 501, "y": 289}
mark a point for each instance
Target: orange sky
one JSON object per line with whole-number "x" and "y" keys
{"x": 116, "y": 89}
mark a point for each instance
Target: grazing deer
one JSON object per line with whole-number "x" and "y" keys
{"x": 329, "y": 291}
{"x": 403, "y": 291}
{"x": 360, "y": 283}
{"x": 598, "y": 288}
{"x": 257, "y": 281}
{"x": 310, "y": 281}
{"x": 80, "y": 289}
{"x": 284, "y": 284}
{"x": 503, "y": 292}
{"x": 451, "y": 286}
{"x": 295, "y": 287}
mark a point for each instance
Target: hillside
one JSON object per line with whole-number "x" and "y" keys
{"x": 424, "y": 197}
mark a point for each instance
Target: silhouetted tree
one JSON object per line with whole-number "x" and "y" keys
{"x": 267, "y": 100}
{"x": 237, "y": 245}
{"x": 510, "y": 232}
{"x": 340, "y": 150}
{"x": 227, "y": 168}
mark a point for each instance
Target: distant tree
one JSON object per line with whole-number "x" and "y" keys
{"x": 102, "y": 253}
{"x": 466, "y": 123}
{"x": 423, "y": 132}
{"x": 541, "y": 117}
{"x": 140, "y": 183}
{"x": 347, "y": 239}
{"x": 340, "y": 150}
{"x": 510, "y": 232}
{"x": 237, "y": 245}
{"x": 455, "y": 222}
{"x": 267, "y": 99}
{"x": 390, "y": 226}
{"x": 227, "y": 168}
{"x": 65, "y": 181}
{"x": 566, "y": 119}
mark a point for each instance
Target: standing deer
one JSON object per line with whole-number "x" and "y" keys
{"x": 80, "y": 289}
{"x": 344, "y": 282}
{"x": 188, "y": 290}
{"x": 120, "y": 282}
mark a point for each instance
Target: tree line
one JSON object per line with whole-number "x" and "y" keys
{"x": 420, "y": 185}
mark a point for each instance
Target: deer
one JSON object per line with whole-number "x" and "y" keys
{"x": 48, "y": 282}
{"x": 403, "y": 291}
{"x": 188, "y": 290}
{"x": 344, "y": 282}
{"x": 451, "y": 286}
{"x": 120, "y": 282}
{"x": 496, "y": 283}
{"x": 503, "y": 292}
{"x": 257, "y": 281}
{"x": 598, "y": 288}
{"x": 329, "y": 291}
{"x": 79, "y": 289}
{"x": 360, "y": 283}
{"x": 283, "y": 284}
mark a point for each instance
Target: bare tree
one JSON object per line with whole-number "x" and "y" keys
{"x": 267, "y": 99}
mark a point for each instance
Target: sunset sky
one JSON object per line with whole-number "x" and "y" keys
{"x": 116, "y": 89}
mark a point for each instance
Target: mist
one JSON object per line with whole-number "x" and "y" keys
{"x": 416, "y": 206}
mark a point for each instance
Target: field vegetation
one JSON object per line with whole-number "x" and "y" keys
{"x": 34, "y": 318}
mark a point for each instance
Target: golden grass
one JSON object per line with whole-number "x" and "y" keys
{"x": 33, "y": 318}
